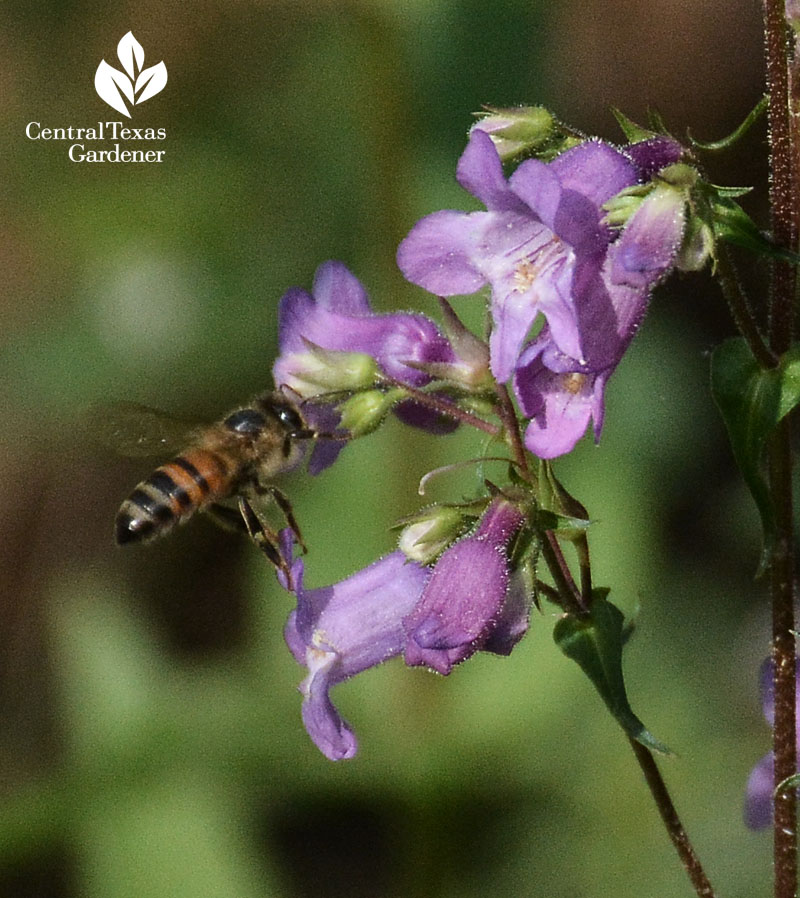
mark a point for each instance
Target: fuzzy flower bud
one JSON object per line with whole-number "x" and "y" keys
{"x": 364, "y": 412}
{"x": 430, "y": 532}
{"x": 318, "y": 371}
{"x": 517, "y": 130}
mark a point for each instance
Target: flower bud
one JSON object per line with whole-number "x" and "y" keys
{"x": 319, "y": 371}
{"x": 517, "y": 130}
{"x": 430, "y": 532}
{"x": 364, "y": 412}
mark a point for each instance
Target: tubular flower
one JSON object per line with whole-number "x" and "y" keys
{"x": 760, "y": 784}
{"x": 341, "y": 630}
{"x": 543, "y": 226}
{"x": 561, "y": 394}
{"x": 472, "y": 600}
{"x": 338, "y": 319}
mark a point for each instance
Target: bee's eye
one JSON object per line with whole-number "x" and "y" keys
{"x": 289, "y": 417}
{"x": 246, "y": 421}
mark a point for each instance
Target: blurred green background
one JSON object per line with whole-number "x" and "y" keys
{"x": 151, "y": 742}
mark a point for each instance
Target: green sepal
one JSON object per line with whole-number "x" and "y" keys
{"x": 595, "y": 643}
{"x": 562, "y": 525}
{"x": 752, "y": 400}
{"x": 559, "y": 510}
{"x": 633, "y": 132}
{"x": 732, "y": 224}
{"x": 726, "y": 142}
{"x": 731, "y": 192}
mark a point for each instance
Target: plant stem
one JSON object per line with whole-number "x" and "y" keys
{"x": 569, "y": 596}
{"x": 784, "y": 230}
{"x": 574, "y": 601}
{"x": 671, "y": 820}
{"x": 740, "y": 308}
{"x": 511, "y": 424}
{"x": 443, "y": 406}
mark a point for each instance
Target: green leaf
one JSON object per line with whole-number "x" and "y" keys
{"x": 731, "y": 192}
{"x": 732, "y": 138}
{"x": 752, "y": 400}
{"x": 595, "y": 644}
{"x": 789, "y": 370}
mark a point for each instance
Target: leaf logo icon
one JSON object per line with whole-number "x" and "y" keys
{"x": 135, "y": 84}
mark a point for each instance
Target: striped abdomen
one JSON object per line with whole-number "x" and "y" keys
{"x": 173, "y": 492}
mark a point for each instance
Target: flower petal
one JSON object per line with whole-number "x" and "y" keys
{"x": 337, "y": 289}
{"x": 340, "y": 630}
{"x": 651, "y": 238}
{"x": 594, "y": 169}
{"x": 480, "y": 171}
{"x": 461, "y": 604}
{"x": 439, "y": 253}
{"x": 326, "y": 727}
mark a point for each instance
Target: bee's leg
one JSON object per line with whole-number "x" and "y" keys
{"x": 227, "y": 518}
{"x": 281, "y": 500}
{"x": 265, "y": 538}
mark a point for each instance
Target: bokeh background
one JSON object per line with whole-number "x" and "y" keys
{"x": 150, "y": 735}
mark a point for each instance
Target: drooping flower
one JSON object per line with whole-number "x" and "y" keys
{"x": 761, "y": 784}
{"x": 472, "y": 600}
{"x": 542, "y": 230}
{"x": 341, "y": 630}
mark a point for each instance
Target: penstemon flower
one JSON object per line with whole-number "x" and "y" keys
{"x": 547, "y": 246}
{"x": 471, "y": 601}
{"x": 341, "y": 630}
{"x": 541, "y": 235}
{"x": 331, "y": 340}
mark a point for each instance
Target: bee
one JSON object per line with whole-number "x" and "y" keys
{"x": 235, "y": 458}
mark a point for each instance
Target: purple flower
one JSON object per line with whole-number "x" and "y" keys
{"x": 341, "y": 630}
{"x": 560, "y": 395}
{"x": 542, "y": 228}
{"x": 544, "y": 246}
{"x": 761, "y": 783}
{"x": 338, "y": 317}
{"x": 472, "y": 600}
{"x": 653, "y": 154}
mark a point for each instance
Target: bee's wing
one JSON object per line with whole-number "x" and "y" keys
{"x": 138, "y": 430}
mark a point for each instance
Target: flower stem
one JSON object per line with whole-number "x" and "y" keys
{"x": 784, "y": 231}
{"x": 439, "y": 404}
{"x": 569, "y": 596}
{"x": 740, "y": 309}
{"x": 511, "y": 424}
{"x": 671, "y": 820}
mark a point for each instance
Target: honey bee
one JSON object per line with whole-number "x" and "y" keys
{"x": 235, "y": 458}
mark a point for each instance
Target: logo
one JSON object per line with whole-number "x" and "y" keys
{"x": 135, "y": 84}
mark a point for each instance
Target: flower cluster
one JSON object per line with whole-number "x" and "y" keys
{"x": 570, "y": 249}
{"x": 472, "y": 599}
{"x": 545, "y": 248}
